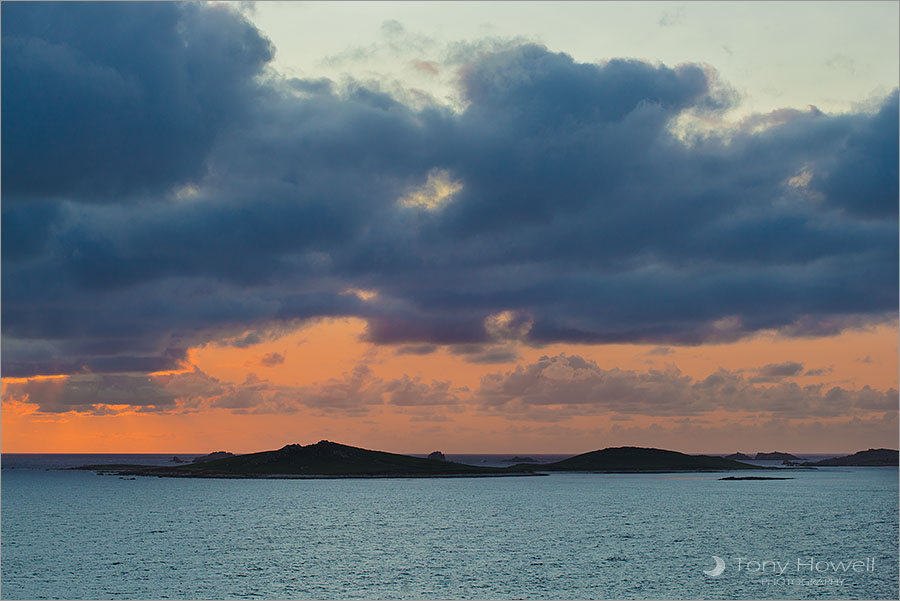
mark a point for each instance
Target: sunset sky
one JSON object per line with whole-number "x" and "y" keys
{"x": 473, "y": 227}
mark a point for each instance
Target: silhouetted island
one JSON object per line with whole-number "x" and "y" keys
{"x": 518, "y": 459}
{"x": 333, "y": 460}
{"x": 870, "y": 458}
{"x": 776, "y": 456}
{"x": 738, "y": 457}
{"x": 639, "y": 459}
{"x": 753, "y": 478}
{"x": 324, "y": 459}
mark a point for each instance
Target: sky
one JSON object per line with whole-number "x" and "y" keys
{"x": 473, "y": 227}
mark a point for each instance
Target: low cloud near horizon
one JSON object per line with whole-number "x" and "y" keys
{"x": 553, "y": 389}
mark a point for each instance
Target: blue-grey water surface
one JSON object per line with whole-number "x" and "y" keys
{"x": 77, "y": 535}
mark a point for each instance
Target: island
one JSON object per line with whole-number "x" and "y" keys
{"x": 776, "y": 456}
{"x": 518, "y": 459}
{"x": 739, "y": 457}
{"x": 869, "y": 458}
{"x": 326, "y": 459}
{"x": 641, "y": 460}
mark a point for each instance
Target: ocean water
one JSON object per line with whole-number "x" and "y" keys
{"x": 79, "y": 535}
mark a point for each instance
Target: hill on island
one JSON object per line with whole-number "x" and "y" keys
{"x": 325, "y": 458}
{"x": 739, "y": 457}
{"x": 870, "y": 458}
{"x": 776, "y": 456}
{"x": 639, "y": 459}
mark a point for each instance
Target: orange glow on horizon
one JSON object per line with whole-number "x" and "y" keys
{"x": 328, "y": 349}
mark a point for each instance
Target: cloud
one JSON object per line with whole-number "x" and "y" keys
{"x": 429, "y": 67}
{"x": 114, "y": 353}
{"x": 92, "y": 393}
{"x": 859, "y": 178}
{"x": 485, "y": 353}
{"x": 556, "y": 388}
{"x": 272, "y": 359}
{"x": 140, "y": 94}
{"x": 417, "y": 349}
{"x": 501, "y": 354}
{"x": 775, "y": 372}
{"x": 255, "y": 201}
{"x": 660, "y": 351}
{"x": 820, "y": 371}
{"x": 396, "y": 41}
{"x": 552, "y": 389}
{"x": 672, "y": 17}
{"x": 413, "y": 392}
{"x": 355, "y": 393}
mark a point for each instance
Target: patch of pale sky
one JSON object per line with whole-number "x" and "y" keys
{"x": 834, "y": 55}
{"x": 435, "y": 193}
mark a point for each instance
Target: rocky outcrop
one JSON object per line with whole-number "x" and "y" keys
{"x": 776, "y": 456}
{"x": 213, "y": 456}
{"x": 738, "y": 457}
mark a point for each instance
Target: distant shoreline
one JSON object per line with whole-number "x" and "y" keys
{"x": 499, "y": 455}
{"x": 326, "y": 459}
{"x": 329, "y": 460}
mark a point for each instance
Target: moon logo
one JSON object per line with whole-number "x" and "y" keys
{"x": 716, "y": 571}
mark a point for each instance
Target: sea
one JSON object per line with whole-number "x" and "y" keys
{"x": 828, "y": 533}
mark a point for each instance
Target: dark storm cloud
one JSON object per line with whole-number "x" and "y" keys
{"x": 92, "y": 393}
{"x": 860, "y": 177}
{"x": 106, "y": 364}
{"x": 104, "y": 100}
{"x": 172, "y": 192}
